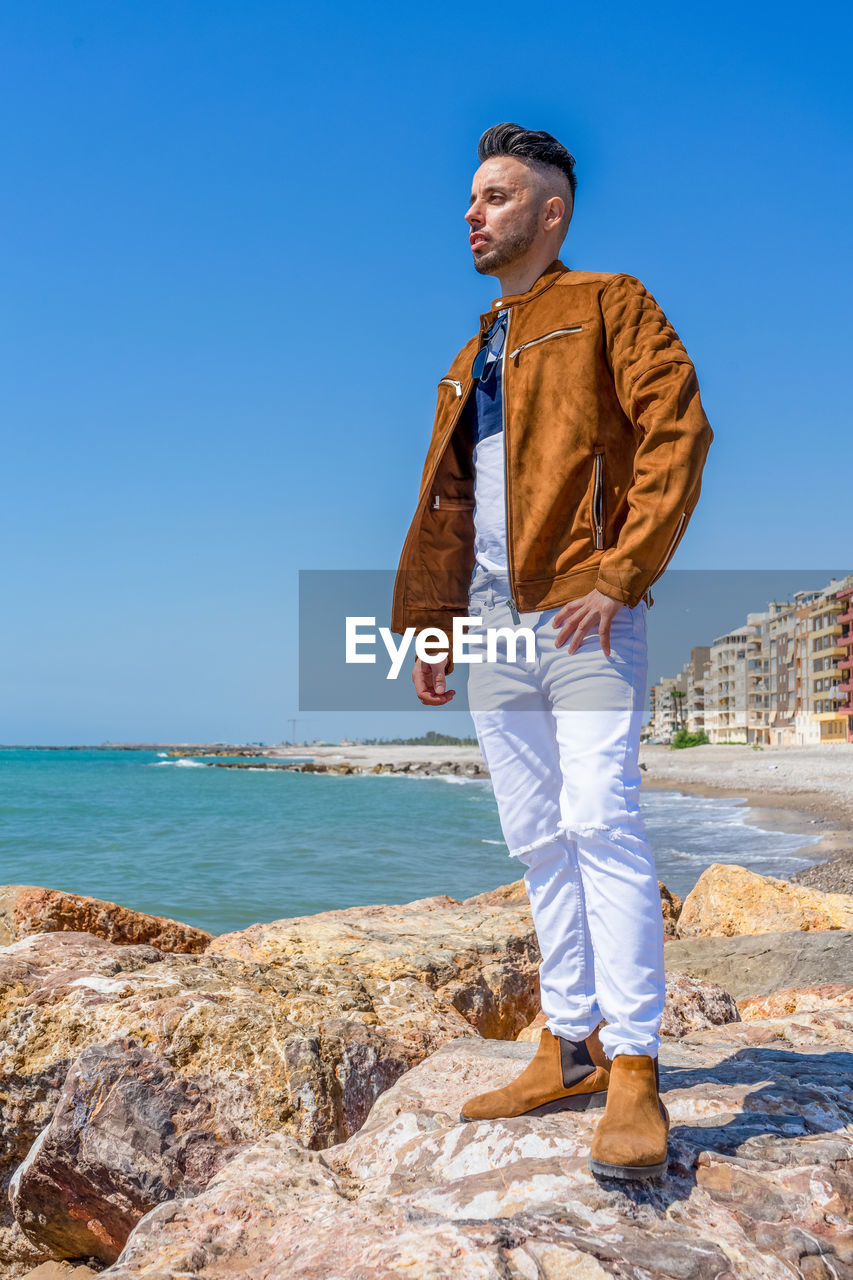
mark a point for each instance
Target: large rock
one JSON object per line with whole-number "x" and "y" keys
{"x": 755, "y": 965}
{"x": 297, "y": 1026}
{"x": 796, "y": 1000}
{"x": 128, "y": 1132}
{"x": 694, "y": 1003}
{"x": 728, "y": 900}
{"x": 479, "y": 956}
{"x": 671, "y": 906}
{"x": 834, "y": 876}
{"x": 60, "y": 1271}
{"x": 27, "y": 909}
{"x": 303, "y": 1044}
{"x": 759, "y": 1181}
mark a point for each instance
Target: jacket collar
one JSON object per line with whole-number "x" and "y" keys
{"x": 548, "y": 277}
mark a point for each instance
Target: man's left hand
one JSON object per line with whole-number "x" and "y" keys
{"x": 594, "y": 610}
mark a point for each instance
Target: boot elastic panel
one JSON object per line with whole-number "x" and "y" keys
{"x": 575, "y": 1061}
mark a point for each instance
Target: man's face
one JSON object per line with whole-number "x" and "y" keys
{"x": 505, "y": 213}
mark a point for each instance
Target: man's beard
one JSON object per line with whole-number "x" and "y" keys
{"x": 505, "y": 254}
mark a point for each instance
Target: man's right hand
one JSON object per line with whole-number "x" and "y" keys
{"x": 430, "y": 683}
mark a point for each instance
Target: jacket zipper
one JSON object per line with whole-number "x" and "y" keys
{"x": 597, "y": 500}
{"x": 533, "y": 342}
{"x": 452, "y": 382}
{"x": 511, "y": 602}
{"x": 672, "y": 545}
{"x": 448, "y": 432}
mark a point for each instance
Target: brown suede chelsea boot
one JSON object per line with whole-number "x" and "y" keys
{"x": 630, "y": 1140}
{"x": 563, "y": 1076}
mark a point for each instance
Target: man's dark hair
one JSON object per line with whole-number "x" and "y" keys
{"x": 528, "y": 144}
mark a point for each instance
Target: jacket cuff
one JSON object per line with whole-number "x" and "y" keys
{"x": 625, "y": 593}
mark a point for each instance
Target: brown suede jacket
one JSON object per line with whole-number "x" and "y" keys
{"x": 605, "y": 440}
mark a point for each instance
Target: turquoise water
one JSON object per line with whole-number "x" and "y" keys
{"x": 222, "y": 848}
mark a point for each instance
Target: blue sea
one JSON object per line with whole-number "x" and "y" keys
{"x": 222, "y": 849}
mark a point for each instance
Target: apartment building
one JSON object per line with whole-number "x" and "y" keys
{"x": 824, "y": 674}
{"x": 845, "y": 663}
{"x": 668, "y": 706}
{"x": 758, "y": 711}
{"x": 782, "y": 644}
{"x": 785, "y": 678}
{"x": 725, "y": 695}
{"x": 697, "y": 672}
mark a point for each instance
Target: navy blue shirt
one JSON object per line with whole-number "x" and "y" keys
{"x": 483, "y": 414}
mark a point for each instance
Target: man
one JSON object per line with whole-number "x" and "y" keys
{"x": 565, "y": 463}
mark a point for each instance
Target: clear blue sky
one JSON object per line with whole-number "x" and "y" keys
{"x": 235, "y": 266}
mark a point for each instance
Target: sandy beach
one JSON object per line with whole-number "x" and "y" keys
{"x": 796, "y": 789}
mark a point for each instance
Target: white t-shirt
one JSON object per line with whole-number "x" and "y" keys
{"x": 486, "y": 420}
{"x": 490, "y": 504}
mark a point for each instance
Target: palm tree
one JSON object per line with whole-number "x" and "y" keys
{"x": 678, "y": 696}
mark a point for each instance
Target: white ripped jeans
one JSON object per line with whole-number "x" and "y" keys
{"x": 560, "y": 736}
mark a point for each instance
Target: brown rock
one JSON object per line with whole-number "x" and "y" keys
{"x": 59, "y": 1271}
{"x": 758, "y": 1184}
{"x": 296, "y": 1027}
{"x": 671, "y": 906}
{"x": 728, "y": 900}
{"x": 27, "y": 909}
{"x": 756, "y": 965}
{"x": 305, "y": 1044}
{"x": 692, "y": 1004}
{"x": 833, "y": 876}
{"x": 532, "y": 1033}
{"x": 128, "y": 1132}
{"x": 479, "y": 956}
{"x": 796, "y": 1000}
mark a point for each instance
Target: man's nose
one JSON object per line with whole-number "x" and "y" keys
{"x": 473, "y": 215}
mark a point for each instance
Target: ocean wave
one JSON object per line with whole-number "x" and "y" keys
{"x": 183, "y": 764}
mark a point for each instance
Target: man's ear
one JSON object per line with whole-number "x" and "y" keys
{"x": 555, "y": 209}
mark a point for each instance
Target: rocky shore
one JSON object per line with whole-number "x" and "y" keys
{"x": 283, "y": 1101}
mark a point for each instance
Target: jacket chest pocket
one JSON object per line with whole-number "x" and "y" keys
{"x": 546, "y": 337}
{"x": 454, "y": 383}
{"x": 597, "y": 511}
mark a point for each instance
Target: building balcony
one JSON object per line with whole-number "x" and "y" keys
{"x": 834, "y": 629}
{"x": 830, "y": 673}
{"x": 846, "y": 616}
{"x": 831, "y": 651}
